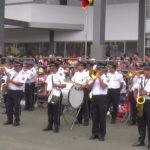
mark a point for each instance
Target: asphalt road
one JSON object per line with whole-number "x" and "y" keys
{"x": 29, "y": 136}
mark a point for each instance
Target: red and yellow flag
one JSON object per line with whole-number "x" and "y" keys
{"x": 86, "y": 3}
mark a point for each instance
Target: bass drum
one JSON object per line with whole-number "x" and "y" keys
{"x": 75, "y": 97}
{"x": 65, "y": 94}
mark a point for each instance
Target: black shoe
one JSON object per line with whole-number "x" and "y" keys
{"x": 138, "y": 144}
{"x": 100, "y": 138}
{"x": 148, "y": 147}
{"x": 56, "y": 130}
{"x": 8, "y": 122}
{"x": 93, "y": 137}
{"x": 15, "y": 124}
{"x": 48, "y": 129}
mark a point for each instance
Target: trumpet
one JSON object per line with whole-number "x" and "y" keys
{"x": 94, "y": 74}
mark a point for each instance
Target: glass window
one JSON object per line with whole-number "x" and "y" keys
{"x": 60, "y": 48}
{"x": 114, "y": 48}
{"x": 75, "y": 49}
{"x": 131, "y": 47}
{"x": 120, "y": 1}
{"x": 27, "y": 48}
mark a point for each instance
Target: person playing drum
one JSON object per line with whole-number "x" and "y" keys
{"x": 54, "y": 81}
{"x": 80, "y": 79}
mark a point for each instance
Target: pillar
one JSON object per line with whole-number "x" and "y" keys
{"x": 98, "y": 50}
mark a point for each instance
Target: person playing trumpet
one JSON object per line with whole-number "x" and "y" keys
{"x": 131, "y": 88}
{"x": 143, "y": 120}
{"x": 98, "y": 97}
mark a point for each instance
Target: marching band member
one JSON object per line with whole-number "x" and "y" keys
{"x": 99, "y": 104}
{"x": 30, "y": 87}
{"x": 89, "y": 67}
{"x": 115, "y": 85}
{"x": 8, "y": 71}
{"x": 54, "y": 81}
{"x": 132, "y": 84}
{"x": 80, "y": 77}
{"x": 143, "y": 120}
{"x": 15, "y": 93}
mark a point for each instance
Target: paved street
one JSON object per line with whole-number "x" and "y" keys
{"x": 29, "y": 136}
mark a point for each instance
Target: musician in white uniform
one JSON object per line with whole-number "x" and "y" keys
{"x": 99, "y": 104}
{"x": 115, "y": 85}
{"x": 143, "y": 121}
{"x": 30, "y": 87}
{"x": 80, "y": 77}
{"x": 15, "y": 93}
{"x": 55, "y": 82}
{"x": 132, "y": 100}
{"x": 9, "y": 70}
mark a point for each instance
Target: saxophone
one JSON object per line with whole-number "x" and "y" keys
{"x": 140, "y": 103}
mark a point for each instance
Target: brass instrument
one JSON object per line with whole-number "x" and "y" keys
{"x": 131, "y": 73}
{"x": 2, "y": 70}
{"x": 94, "y": 74}
{"x": 140, "y": 102}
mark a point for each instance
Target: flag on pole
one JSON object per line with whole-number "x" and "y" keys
{"x": 86, "y": 3}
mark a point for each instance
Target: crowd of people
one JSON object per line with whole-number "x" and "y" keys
{"x": 101, "y": 83}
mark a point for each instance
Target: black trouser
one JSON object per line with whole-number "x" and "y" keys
{"x": 54, "y": 112}
{"x": 29, "y": 95}
{"x": 133, "y": 107}
{"x": 98, "y": 112}
{"x": 113, "y": 99}
{"x": 85, "y": 108}
{"x": 13, "y": 105}
{"x": 143, "y": 122}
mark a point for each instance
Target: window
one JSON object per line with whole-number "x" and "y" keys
{"x": 120, "y": 1}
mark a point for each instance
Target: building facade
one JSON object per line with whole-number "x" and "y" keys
{"x": 69, "y": 27}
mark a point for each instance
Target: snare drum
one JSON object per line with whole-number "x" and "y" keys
{"x": 75, "y": 97}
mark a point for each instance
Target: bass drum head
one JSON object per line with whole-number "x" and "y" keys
{"x": 75, "y": 97}
{"x": 65, "y": 93}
